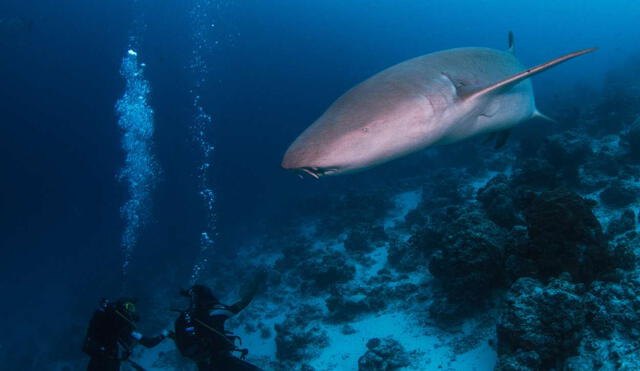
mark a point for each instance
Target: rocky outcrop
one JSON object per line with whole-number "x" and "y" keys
{"x": 363, "y": 240}
{"x": 383, "y": 355}
{"x": 566, "y": 152}
{"x": 298, "y": 339}
{"x": 541, "y": 325}
{"x": 614, "y": 306}
{"x": 468, "y": 264}
{"x": 565, "y": 236}
{"x": 326, "y": 271}
{"x": 535, "y": 173}
{"x": 313, "y": 269}
{"x": 631, "y": 141}
{"x": 624, "y": 223}
{"x": 345, "y": 306}
{"x": 618, "y": 195}
{"x": 497, "y": 200}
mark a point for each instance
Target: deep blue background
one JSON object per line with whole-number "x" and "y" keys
{"x": 276, "y": 66}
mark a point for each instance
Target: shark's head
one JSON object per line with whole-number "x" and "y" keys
{"x": 377, "y": 121}
{"x": 355, "y": 140}
{"x": 317, "y": 156}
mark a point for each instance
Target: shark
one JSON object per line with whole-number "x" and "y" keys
{"x": 438, "y": 98}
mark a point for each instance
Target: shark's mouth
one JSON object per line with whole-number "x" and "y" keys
{"x": 316, "y": 172}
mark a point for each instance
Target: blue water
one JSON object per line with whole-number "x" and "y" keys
{"x": 265, "y": 71}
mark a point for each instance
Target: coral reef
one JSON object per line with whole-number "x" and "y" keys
{"x": 618, "y": 194}
{"x": 468, "y": 264}
{"x": 624, "y": 223}
{"x": 535, "y": 173}
{"x": 313, "y": 270}
{"x": 347, "y": 304}
{"x": 497, "y": 200}
{"x": 541, "y": 325}
{"x": 565, "y": 236}
{"x": 298, "y": 340}
{"x": 383, "y": 355}
{"x": 614, "y": 306}
{"x": 566, "y": 153}
{"x": 408, "y": 256}
{"x": 631, "y": 141}
{"x": 327, "y": 270}
{"x": 363, "y": 240}
{"x": 447, "y": 187}
{"x": 526, "y": 258}
{"x": 563, "y": 325}
{"x": 345, "y": 309}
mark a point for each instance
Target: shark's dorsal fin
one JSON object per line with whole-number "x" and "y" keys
{"x": 511, "y": 81}
{"x": 512, "y": 44}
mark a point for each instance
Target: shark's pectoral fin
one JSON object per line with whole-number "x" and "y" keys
{"x": 511, "y": 81}
{"x": 489, "y": 138}
{"x": 502, "y": 138}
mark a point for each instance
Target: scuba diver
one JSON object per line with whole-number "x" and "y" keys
{"x": 200, "y": 334}
{"x": 111, "y": 336}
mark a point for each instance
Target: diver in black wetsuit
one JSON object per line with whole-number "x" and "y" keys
{"x": 200, "y": 333}
{"x": 111, "y": 336}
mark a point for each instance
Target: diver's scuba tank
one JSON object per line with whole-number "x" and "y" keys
{"x": 95, "y": 340}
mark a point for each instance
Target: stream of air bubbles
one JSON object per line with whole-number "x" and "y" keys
{"x": 201, "y": 126}
{"x": 135, "y": 119}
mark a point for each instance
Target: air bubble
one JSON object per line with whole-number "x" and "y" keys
{"x": 135, "y": 118}
{"x": 201, "y": 129}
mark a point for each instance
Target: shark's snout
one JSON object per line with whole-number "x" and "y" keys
{"x": 291, "y": 160}
{"x": 296, "y": 161}
{"x": 308, "y": 159}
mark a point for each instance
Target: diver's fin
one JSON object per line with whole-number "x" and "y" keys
{"x": 512, "y": 44}
{"x": 539, "y": 115}
{"x": 511, "y": 81}
{"x": 502, "y": 138}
